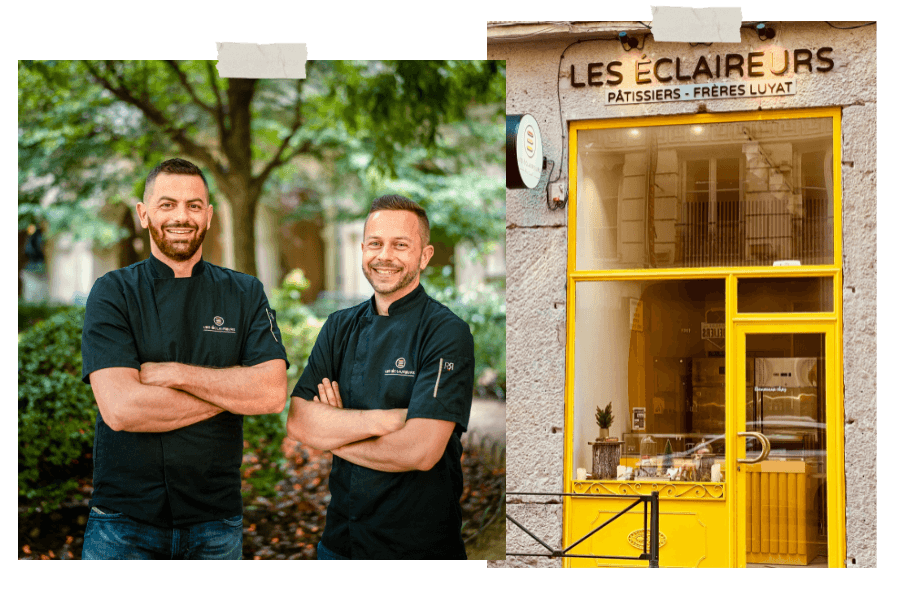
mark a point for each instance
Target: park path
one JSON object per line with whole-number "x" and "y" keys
{"x": 488, "y": 419}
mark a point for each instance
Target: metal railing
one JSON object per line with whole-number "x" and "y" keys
{"x": 651, "y": 511}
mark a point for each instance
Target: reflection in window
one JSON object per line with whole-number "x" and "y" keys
{"x": 785, "y": 294}
{"x": 786, "y": 504}
{"x": 724, "y": 194}
{"x": 710, "y": 224}
{"x": 655, "y": 351}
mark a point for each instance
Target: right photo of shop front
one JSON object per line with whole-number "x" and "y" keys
{"x": 691, "y": 294}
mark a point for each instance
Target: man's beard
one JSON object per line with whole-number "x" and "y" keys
{"x": 388, "y": 288}
{"x": 178, "y": 251}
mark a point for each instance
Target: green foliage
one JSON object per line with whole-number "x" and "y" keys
{"x": 324, "y": 305}
{"x": 299, "y": 326}
{"x": 485, "y": 312}
{"x": 299, "y": 329}
{"x": 399, "y": 104}
{"x": 89, "y": 131}
{"x": 458, "y": 179}
{"x": 56, "y": 411}
{"x": 31, "y": 314}
{"x": 78, "y": 144}
{"x": 605, "y": 417}
{"x": 263, "y": 435}
{"x": 464, "y": 202}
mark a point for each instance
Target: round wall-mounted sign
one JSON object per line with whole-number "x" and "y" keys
{"x": 524, "y": 152}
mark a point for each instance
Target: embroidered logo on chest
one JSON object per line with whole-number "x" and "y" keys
{"x": 400, "y": 371}
{"x": 218, "y": 326}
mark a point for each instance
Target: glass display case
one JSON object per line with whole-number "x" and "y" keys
{"x": 673, "y": 456}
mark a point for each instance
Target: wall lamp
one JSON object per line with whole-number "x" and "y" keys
{"x": 628, "y": 42}
{"x": 765, "y": 33}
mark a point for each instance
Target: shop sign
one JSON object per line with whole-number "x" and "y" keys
{"x": 524, "y": 152}
{"x": 702, "y": 91}
{"x": 755, "y": 74}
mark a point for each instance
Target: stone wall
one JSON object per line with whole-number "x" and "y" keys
{"x": 538, "y": 83}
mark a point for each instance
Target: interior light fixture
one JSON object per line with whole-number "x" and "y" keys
{"x": 628, "y": 42}
{"x": 764, "y": 33}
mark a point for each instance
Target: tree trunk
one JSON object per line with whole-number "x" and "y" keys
{"x": 128, "y": 254}
{"x": 237, "y": 183}
{"x": 243, "y": 219}
{"x": 242, "y": 202}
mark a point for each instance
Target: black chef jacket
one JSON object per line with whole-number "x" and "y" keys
{"x": 214, "y": 318}
{"x": 419, "y": 357}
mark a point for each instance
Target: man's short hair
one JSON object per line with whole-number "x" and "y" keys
{"x": 175, "y": 166}
{"x": 393, "y": 202}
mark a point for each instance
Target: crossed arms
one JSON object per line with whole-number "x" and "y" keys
{"x": 167, "y": 396}
{"x": 378, "y": 439}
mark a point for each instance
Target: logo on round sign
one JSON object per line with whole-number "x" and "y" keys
{"x": 530, "y": 140}
{"x": 530, "y": 153}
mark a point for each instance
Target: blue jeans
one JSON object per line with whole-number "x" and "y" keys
{"x": 323, "y": 553}
{"x": 111, "y": 535}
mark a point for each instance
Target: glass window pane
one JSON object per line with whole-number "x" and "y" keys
{"x": 785, "y": 294}
{"x": 654, "y": 353}
{"x": 721, "y": 194}
{"x": 786, "y": 503}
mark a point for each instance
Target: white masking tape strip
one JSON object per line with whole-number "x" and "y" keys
{"x": 696, "y": 25}
{"x": 261, "y": 61}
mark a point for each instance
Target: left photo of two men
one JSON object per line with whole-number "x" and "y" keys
{"x": 261, "y": 318}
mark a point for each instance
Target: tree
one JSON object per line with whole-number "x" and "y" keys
{"x": 87, "y": 140}
{"x": 459, "y": 181}
{"x": 78, "y": 146}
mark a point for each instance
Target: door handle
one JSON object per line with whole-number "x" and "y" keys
{"x": 766, "y": 446}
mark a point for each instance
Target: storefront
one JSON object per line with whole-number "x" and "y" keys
{"x": 716, "y": 256}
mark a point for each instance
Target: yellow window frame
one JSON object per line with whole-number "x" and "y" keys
{"x": 835, "y": 468}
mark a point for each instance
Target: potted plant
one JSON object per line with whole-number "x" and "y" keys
{"x": 604, "y": 421}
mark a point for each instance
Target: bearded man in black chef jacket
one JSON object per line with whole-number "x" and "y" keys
{"x": 176, "y": 350}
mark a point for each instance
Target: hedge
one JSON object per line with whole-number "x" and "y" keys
{"x": 56, "y": 411}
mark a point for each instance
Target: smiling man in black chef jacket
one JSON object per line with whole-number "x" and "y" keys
{"x": 176, "y": 350}
{"x": 388, "y": 390}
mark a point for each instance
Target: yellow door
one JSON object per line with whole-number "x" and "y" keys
{"x": 786, "y": 455}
